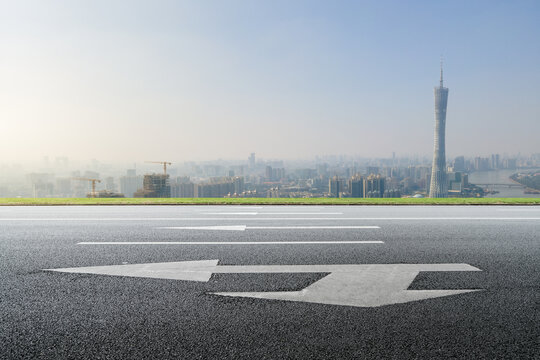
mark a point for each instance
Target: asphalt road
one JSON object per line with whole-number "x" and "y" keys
{"x": 55, "y": 315}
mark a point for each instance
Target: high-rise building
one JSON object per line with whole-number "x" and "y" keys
{"x": 130, "y": 183}
{"x": 335, "y": 186}
{"x": 239, "y": 185}
{"x": 374, "y": 186}
{"x": 356, "y": 186}
{"x": 182, "y": 187}
{"x": 481, "y": 164}
{"x": 63, "y": 187}
{"x": 510, "y": 163}
{"x": 459, "y": 163}
{"x": 251, "y": 160}
{"x": 220, "y": 187}
{"x": 109, "y": 184}
{"x": 268, "y": 173}
{"x": 438, "y": 186}
{"x": 495, "y": 162}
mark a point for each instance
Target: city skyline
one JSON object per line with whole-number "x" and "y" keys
{"x": 254, "y": 177}
{"x": 292, "y": 80}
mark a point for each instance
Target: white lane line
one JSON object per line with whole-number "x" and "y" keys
{"x": 245, "y": 227}
{"x": 518, "y": 209}
{"x": 313, "y": 227}
{"x": 227, "y": 242}
{"x": 223, "y": 228}
{"x": 231, "y": 213}
{"x": 301, "y": 213}
{"x": 276, "y": 218}
{"x": 235, "y": 208}
{"x": 273, "y": 213}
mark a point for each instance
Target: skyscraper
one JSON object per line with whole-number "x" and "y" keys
{"x": 439, "y": 187}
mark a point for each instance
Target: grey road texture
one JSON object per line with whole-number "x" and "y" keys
{"x": 269, "y": 282}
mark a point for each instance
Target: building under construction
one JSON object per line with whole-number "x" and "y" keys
{"x": 155, "y": 186}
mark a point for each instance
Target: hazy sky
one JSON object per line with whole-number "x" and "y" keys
{"x": 180, "y": 80}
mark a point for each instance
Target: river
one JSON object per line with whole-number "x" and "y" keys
{"x": 501, "y": 177}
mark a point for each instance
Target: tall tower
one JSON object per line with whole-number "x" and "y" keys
{"x": 439, "y": 187}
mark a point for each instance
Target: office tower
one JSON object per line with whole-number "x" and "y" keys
{"x": 438, "y": 186}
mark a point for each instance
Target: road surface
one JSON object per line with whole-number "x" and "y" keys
{"x": 132, "y": 282}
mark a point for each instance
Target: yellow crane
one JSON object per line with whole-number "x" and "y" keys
{"x": 164, "y": 163}
{"x": 93, "y": 181}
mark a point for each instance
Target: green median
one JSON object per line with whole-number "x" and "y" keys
{"x": 266, "y": 201}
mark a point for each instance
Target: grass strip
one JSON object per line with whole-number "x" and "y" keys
{"x": 265, "y": 201}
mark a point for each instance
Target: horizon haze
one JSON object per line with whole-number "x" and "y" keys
{"x": 184, "y": 80}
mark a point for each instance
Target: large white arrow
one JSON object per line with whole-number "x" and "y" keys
{"x": 352, "y": 285}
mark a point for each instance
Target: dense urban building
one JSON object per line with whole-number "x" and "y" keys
{"x": 459, "y": 163}
{"x": 336, "y": 186}
{"x": 374, "y": 186}
{"x": 220, "y": 187}
{"x": 328, "y": 177}
{"x": 356, "y": 186}
{"x": 182, "y": 187}
{"x": 130, "y": 183}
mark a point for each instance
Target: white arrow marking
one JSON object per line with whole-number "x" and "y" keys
{"x": 245, "y": 227}
{"x": 350, "y": 285}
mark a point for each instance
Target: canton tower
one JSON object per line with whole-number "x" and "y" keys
{"x": 439, "y": 187}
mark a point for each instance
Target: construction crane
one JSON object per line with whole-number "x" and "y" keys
{"x": 94, "y": 181}
{"x": 164, "y": 163}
